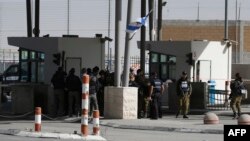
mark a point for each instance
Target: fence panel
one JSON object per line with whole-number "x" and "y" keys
{"x": 217, "y": 100}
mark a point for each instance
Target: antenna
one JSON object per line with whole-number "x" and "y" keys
{"x": 239, "y": 11}
{"x": 198, "y": 12}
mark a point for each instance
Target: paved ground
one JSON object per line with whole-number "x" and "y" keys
{"x": 65, "y": 129}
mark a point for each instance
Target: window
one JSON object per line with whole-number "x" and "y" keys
{"x": 163, "y": 64}
{"x": 154, "y": 57}
{"x": 163, "y": 58}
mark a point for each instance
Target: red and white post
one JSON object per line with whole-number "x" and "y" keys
{"x": 85, "y": 104}
{"x": 96, "y": 123}
{"x": 38, "y": 119}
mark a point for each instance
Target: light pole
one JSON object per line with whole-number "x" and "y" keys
{"x": 226, "y": 21}
{"x": 160, "y": 5}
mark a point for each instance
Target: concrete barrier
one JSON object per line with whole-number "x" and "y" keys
{"x": 211, "y": 118}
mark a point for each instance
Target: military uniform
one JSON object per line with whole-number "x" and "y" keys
{"x": 156, "y": 90}
{"x": 236, "y": 95}
{"x": 184, "y": 90}
{"x": 142, "y": 94}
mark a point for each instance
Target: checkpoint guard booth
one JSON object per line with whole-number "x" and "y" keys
{"x": 204, "y": 61}
{"x": 38, "y": 60}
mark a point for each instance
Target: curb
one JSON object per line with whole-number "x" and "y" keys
{"x": 158, "y": 128}
{"x": 16, "y": 132}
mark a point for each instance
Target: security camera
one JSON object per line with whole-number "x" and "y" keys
{"x": 229, "y": 44}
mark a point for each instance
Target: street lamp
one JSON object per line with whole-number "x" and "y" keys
{"x": 160, "y": 5}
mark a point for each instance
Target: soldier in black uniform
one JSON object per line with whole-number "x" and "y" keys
{"x": 74, "y": 87}
{"x": 156, "y": 90}
{"x": 100, "y": 93}
{"x": 58, "y": 82}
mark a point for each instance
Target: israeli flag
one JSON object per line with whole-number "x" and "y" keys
{"x": 135, "y": 26}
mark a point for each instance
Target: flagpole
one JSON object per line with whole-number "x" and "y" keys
{"x": 127, "y": 47}
{"x": 151, "y": 19}
{"x": 143, "y": 38}
{"x": 118, "y": 9}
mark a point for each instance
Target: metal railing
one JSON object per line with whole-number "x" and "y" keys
{"x": 134, "y": 63}
{"x": 217, "y": 100}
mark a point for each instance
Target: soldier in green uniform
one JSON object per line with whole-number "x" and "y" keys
{"x": 237, "y": 89}
{"x": 184, "y": 90}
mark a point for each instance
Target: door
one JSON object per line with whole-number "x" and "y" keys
{"x": 203, "y": 72}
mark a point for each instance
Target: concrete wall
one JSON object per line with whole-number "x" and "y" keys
{"x": 120, "y": 102}
{"x": 219, "y": 55}
{"x": 26, "y": 96}
{"x": 90, "y": 50}
{"x": 22, "y": 98}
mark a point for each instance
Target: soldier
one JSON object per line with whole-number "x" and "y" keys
{"x": 74, "y": 86}
{"x": 58, "y": 82}
{"x": 142, "y": 94}
{"x": 100, "y": 94}
{"x": 184, "y": 90}
{"x": 237, "y": 89}
{"x": 156, "y": 91}
{"x": 93, "y": 89}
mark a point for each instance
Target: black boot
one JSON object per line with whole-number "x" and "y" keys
{"x": 239, "y": 114}
{"x": 235, "y": 116}
{"x": 185, "y": 116}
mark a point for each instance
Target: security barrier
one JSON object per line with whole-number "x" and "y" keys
{"x": 85, "y": 104}
{"x": 38, "y": 119}
{"x": 96, "y": 125}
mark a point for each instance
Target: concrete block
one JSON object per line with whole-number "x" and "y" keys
{"x": 120, "y": 102}
{"x": 211, "y": 118}
{"x": 244, "y": 119}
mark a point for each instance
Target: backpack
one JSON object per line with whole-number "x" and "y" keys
{"x": 239, "y": 88}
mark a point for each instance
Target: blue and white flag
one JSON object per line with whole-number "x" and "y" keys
{"x": 135, "y": 26}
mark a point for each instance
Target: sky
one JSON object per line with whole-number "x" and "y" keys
{"x": 88, "y": 17}
{"x": 208, "y": 9}
{"x": 188, "y": 10}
